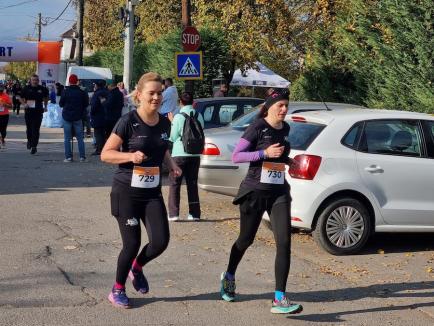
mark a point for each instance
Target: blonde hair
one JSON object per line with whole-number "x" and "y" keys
{"x": 148, "y": 77}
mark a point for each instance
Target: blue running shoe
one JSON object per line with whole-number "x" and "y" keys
{"x": 227, "y": 288}
{"x": 285, "y": 307}
{"x": 119, "y": 298}
{"x": 139, "y": 280}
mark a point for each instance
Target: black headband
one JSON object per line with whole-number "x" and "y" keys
{"x": 276, "y": 97}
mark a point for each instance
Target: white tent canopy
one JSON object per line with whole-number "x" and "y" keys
{"x": 262, "y": 78}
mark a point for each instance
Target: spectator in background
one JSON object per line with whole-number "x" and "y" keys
{"x": 113, "y": 108}
{"x": 269, "y": 91}
{"x": 59, "y": 89}
{"x": 122, "y": 88}
{"x": 5, "y": 105}
{"x": 16, "y": 96}
{"x": 74, "y": 102}
{"x": 188, "y": 163}
{"x": 97, "y": 115}
{"x": 222, "y": 92}
{"x": 169, "y": 106}
{"x": 52, "y": 94}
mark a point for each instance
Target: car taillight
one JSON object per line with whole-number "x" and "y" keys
{"x": 210, "y": 149}
{"x": 305, "y": 167}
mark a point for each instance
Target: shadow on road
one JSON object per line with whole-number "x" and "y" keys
{"x": 384, "y": 243}
{"x": 393, "y": 290}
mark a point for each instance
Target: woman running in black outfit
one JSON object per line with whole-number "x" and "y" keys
{"x": 139, "y": 144}
{"x": 265, "y": 145}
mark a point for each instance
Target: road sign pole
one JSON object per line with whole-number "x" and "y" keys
{"x": 186, "y": 21}
{"x": 129, "y": 45}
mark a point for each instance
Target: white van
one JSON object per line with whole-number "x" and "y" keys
{"x": 89, "y": 75}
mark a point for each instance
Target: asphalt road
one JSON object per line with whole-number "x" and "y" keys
{"x": 59, "y": 246}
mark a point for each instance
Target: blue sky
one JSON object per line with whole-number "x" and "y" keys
{"x": 19, "y": 20}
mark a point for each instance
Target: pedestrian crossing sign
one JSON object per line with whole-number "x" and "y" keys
{"x": 188, "y": 65}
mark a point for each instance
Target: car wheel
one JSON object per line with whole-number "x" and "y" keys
{"x": 343, "y": 227}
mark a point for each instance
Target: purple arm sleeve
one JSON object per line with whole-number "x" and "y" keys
{"x": 240, "y": 155}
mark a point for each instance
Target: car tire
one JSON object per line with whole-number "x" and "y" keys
{"x": 343, "y": 227}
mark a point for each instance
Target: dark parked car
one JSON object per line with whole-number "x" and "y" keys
{"x": 220, "y": 111}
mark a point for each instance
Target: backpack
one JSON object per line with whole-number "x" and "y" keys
{"x": 192, "y": 138}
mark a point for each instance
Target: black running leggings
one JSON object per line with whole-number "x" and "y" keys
{"x": 157, "y": 227}
{"x": 4, "y": 120}
{"x": 251, "y": 211}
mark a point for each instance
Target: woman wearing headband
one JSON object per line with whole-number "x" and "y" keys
{"x": 265, "y": 146}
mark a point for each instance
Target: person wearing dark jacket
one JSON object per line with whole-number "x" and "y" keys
{"x": 113, "y": 108}
{"x": 74, "y": 102}
{"x": 97, "y": 115}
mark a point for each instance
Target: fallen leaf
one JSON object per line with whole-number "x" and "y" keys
{"x": 70, "y": 247}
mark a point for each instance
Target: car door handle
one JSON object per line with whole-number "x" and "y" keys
{"x": 374, "y": 169}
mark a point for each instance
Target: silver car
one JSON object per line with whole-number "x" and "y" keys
{"x": 358, "y": 172}
{"x": 217, "y": 172}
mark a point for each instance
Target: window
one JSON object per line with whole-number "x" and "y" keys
{"x": 207, "y": 113}
{"x": 351, "y": 136}
{"x": 429, "y": 130}
{"x": 302, "y": 134}
{"x": 226, "y": 112}
{"x": 393, "y": 137}
{"x": 431, "y": 124}
{"x": 243, "y": 122}
{"x": 247, "y": 107}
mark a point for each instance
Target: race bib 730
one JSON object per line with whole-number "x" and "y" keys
{"x": 273, "y": 173}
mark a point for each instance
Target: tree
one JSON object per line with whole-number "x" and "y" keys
{"x": 158, "y": 18}
{"x": 273, "y": 31}
{"x": 103, "y": 29}
{"x": 101, "y": 25}
{"x": 20, "y": 70}
{"x": 376, "y": 53}
{"x": 114, "y": 59}
{"x": 266, "y": 30}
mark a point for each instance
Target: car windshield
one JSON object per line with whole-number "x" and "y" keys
{"x": 302, "y": 134}
{"x": 88, "y": 84}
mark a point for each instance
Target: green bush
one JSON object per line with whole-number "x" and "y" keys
{"x": 376, "y": 53}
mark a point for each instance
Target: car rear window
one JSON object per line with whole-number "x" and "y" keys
{"x": 243, "y": 121}
{"x": 302, "y": 134}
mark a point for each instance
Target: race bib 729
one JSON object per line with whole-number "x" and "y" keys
{"x": 145, "y": 177}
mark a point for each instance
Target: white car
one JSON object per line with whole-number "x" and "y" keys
{"x": 361, "y": 171}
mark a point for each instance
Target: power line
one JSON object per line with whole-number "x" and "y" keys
{"x": 19, "y": 4}
{"x": 63, "y": 11}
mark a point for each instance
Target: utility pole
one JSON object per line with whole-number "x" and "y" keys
{"x": 80, "y": 32}
{"x": 130, "y": 24}
{"x": 186, "y": 21}
{"x": 39, "y": 26}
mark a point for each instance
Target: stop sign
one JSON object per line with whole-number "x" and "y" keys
{"x": 190, "y": 39}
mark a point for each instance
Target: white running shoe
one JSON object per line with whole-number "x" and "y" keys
{"x": 192, "y": 218}
{"x": 173, "y": 218}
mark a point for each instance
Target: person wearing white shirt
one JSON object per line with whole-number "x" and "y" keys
{"x": 170, "y": 99}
